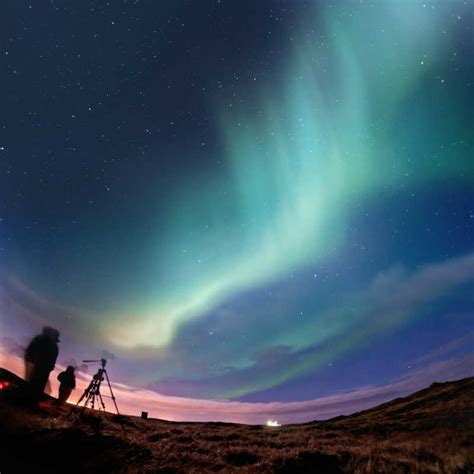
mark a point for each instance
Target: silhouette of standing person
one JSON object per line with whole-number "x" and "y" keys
{"x": 40, "y": 358}
{"x": 67, "y": 381}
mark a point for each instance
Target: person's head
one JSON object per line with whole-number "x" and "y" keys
{"x": 70, "y": 369}
{"x": 51, "y": 333}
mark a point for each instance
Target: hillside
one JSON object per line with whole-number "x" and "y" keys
{"x": 429, "y": 431}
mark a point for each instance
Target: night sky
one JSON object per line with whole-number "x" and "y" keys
{"x": 255, "y": 201}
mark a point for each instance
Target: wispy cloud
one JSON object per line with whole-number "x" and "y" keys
{"x": 20, "y": 305}
{"x": 196, "y": 365}
{"x": 452, "y": 346}
{"x": 133, "y": 401}
{"x": 391, "y": 300}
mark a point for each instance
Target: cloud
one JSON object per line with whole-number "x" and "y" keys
{"x": 426, "y": 284}
{"x": 390, "y": 301}
{"x": 452, "y": 346}
{"x": 133, "y": 401}
{"x": 254, "y": 347}
{"x": 21, "y": 306}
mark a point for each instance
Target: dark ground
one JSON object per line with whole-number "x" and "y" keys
{"x": 431, "y": 431}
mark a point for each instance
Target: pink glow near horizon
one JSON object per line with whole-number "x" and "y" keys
{"x": 132, "y": 401}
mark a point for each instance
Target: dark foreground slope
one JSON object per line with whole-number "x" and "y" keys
{"x": 429, "y": 431}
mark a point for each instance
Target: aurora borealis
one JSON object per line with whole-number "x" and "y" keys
{"x": 257, "y": 203}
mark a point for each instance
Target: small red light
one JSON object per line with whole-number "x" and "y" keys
{"x": 4, "y": 385}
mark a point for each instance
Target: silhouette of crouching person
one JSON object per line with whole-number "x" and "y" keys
{"x": 67, "y": 384}
{"x": 40, "y": 359}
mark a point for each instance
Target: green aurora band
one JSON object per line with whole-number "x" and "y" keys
{"x": 360, "y": 107}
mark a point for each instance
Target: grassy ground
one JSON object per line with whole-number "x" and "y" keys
{"x": 430, "y": 431}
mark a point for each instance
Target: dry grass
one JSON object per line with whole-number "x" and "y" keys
{"x": 431, "y": 431}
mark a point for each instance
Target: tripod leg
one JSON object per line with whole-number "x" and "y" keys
{"x": 113, "y": 399}
{"x": 111, "y": 392}
{"x": 91, "y": 395}
{"x": 97, "y": 395}
{"x": 86, "y": 392}
{"x": 101, "y": 400}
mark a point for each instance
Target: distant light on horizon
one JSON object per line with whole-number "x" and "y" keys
{"x": 273, "y": 423}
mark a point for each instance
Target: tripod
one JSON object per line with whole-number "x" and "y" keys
{"x": 92, "y": 393}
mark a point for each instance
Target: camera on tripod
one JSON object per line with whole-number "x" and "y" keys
{"x": 99, "y": 373}
{"x": 102, "y": 361}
